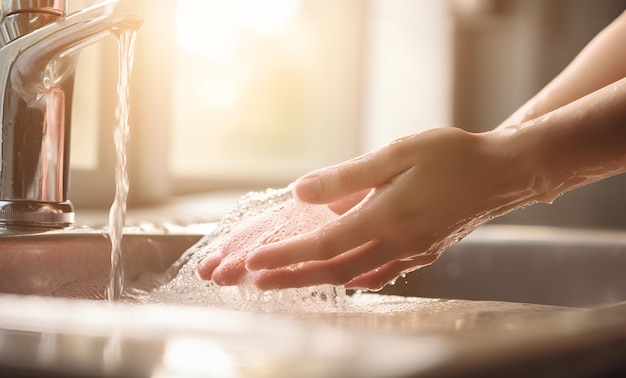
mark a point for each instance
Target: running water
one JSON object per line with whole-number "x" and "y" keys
{"x": 280, "y": 217}
{"x": 117, "y": 214}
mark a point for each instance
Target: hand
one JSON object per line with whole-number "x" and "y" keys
{"x": 400, "y": 207}
{"x": 225, "y": 263}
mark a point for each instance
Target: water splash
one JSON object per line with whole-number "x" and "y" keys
{"x": 179, "y": 285}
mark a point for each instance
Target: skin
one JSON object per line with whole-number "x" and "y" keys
{"x": 402, "y": 205}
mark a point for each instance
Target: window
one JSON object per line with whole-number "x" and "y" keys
{"x": 249, "y": 94}
{"x": 224, "y": 94}
{"x": 263, "y": 91}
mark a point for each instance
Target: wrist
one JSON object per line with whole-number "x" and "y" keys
{"x": 578, "y": 144}
{"x": 521, "y": 177}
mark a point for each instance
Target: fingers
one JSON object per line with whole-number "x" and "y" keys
{"x": 359, "y": 268}
{"x": 378, "y": 278}
{"x": 349, "y": 231}
{"x": 336, "y": 271}
{"x": 347, "y": 203}
{"x": 205, "y": 268}
{"x": 230, "y": 273}
{"x": 223, "y": 267}
{"x": 333, "y": 183}
{"x": 222, "y": 270}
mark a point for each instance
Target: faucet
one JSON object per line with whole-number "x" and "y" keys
{"x": 39, "y": 45}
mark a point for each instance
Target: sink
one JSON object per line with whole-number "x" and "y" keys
{"x": 526, "y": 264}
{"x": 507, "y": 300}
{"x": 529, "y": 264}
{"x": 43, "y": 263}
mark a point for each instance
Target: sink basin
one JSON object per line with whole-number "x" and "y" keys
{"x": 506, "y": 300}
{"x": 526, "y": 264}
{"x": 529, "y": 264}
{"x": 42, "y": 263}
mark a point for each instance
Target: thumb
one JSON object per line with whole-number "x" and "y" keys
{"x": 336, "y": 182}
{"x": 346, "y": 203}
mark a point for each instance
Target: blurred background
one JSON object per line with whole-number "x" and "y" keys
{"x": 243, "y": 95}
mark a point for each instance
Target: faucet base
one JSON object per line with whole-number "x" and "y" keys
{"x": 33, "y": 215}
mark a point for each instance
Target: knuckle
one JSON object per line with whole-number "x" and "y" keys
{"x": 398, "y": 150}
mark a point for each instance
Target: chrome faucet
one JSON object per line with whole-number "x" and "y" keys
{"x": 39, "y": 46}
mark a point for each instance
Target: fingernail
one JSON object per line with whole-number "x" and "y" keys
{"x": 307, "y": 189}
{"x": 201, "y": 272}
{"x": 205, "y": 268}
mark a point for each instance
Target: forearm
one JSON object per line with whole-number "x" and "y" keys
{"x": 600, "y": 63}
{"x": 580, "y": 143}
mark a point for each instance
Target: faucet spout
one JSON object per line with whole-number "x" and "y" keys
{"x": 36, "y": 86}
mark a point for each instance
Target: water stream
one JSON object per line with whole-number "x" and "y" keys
{"x": 180, "y": 286}
{"x": 117, "y": 213}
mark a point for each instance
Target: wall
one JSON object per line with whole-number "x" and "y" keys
{"x": 407, "y": 81}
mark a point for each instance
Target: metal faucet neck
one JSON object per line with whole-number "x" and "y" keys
{"x": 39, "y": 47}
{"x": 20, "y": 17}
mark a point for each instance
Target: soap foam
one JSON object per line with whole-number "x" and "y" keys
{"x": 257, "y": 219}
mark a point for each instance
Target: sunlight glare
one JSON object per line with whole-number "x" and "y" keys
{"x": 213, "y": 29}
{"x": 189, "y": 356}
{"x": 218, "y": 93}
